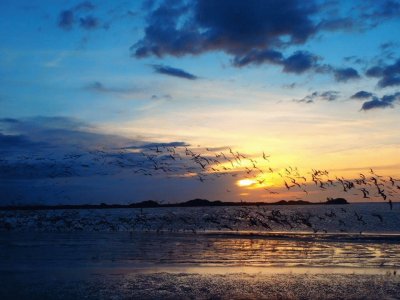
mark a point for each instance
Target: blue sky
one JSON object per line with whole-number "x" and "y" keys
{"x": 276, "y": 76}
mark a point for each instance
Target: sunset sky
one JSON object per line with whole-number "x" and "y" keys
{"x": 313, "y": 84}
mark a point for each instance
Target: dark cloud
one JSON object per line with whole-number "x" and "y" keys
{"x": 388, "y": 81}
{"x": 299, "y": 62}
{"x": 69, "y": 17}
{"x": 386, "y": 9}
{"x": 387, "y": 45}
{"x": 345, "y": 74}
{"x": 361, "y": 95}
{"x": 8, "y": 120}
{"x": 64, "y": 135}
{"x": 389, "y": 74}
{"x": 253, "y": 32}
{"x": 374, "y": 104}
{"x": 317, "y": 96}
{"x": 258, "y": 57}
{"x": 78, "y": 163}
{"x": 357, "y": 17}
{"x": 233, "y": 26}
{"x": 375, "y": 71}
{"x": 238, "y": 25}
{"x": 43, "y": 131}
{"x": 340, "y": 23}
{"x": 9, "y": 142}
{"x": 170, "y": 71}
{"x": 36, "y": 170}
{"x": 51, "y": 147}
{"x": 89, "y": 22}
{"x": 51, "y": 131}
{"x": 387, "y": 101}
{"x": 66, "y": 19}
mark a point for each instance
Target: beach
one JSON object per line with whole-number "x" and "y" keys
{"x": 71, "y": 254}
{"x": 168, "y": 285}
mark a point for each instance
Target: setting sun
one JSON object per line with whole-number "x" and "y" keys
{"x": 246, "y": 182}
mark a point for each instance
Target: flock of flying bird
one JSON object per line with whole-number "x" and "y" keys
{"x": 208, "y": 164}
{"x": 211, "y": 164}
{"x": 221, "y": 219}
{"x": 198, "y": 163}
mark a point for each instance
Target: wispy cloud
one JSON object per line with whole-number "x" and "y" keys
{"x": 317, "y": 96}
{"x": 78, "y": 15}
{"x": 99, "y": 87}
{"x": 361, "y": 95}
{"x": 175, "y": 72}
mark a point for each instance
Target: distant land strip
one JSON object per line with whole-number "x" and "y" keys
{"x": 155, "y": 204}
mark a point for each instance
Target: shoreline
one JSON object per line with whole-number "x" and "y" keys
{"x": 126, "y": 268}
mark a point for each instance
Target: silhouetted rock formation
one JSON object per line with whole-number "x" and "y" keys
{"x": 336, "y": 201}
{"x": 155, "y": 204}
{"x": 144, "y": 204}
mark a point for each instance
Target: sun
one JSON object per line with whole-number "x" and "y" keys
{"x": 246, "y": 182}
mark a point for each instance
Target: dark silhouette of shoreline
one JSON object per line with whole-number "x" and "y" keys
{"x": 155, "y": 204}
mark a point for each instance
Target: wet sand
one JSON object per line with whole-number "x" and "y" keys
{"x": 202, "y": 286}
{"x": 108, "y": 265}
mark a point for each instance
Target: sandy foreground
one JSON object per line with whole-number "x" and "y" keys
{"x": 204, "y": 286}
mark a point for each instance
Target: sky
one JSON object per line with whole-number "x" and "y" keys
{"x": 100, "y": 101}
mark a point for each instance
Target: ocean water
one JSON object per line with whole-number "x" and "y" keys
{"x": 141, "y": 251}
{"x": 349, "y": 238}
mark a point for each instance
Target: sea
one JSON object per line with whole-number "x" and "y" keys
{"x": 341, "y": 238}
